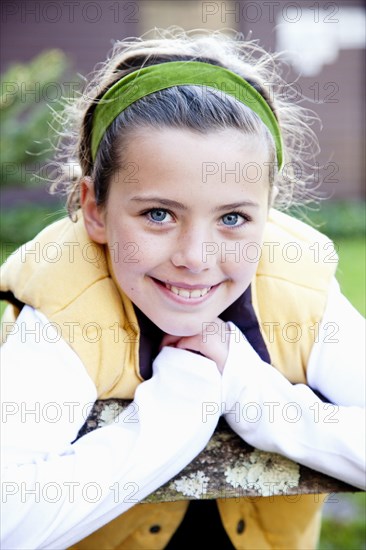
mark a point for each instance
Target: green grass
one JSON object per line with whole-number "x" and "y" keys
{"x": 346, "y": 529}
{"x": 336, "y": 536}
{"x": 351, "y": 272}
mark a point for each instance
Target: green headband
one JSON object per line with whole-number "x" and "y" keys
{"x": 151, "y": 79}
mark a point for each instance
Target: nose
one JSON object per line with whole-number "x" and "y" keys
{"x": 195, "y": 251}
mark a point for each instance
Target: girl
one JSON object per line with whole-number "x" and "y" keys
{"x": 170, "y": 284}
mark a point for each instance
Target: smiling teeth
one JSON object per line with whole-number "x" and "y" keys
{"x": 185, "y": 293}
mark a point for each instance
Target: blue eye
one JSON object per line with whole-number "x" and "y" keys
{"x": 158, "y": 215}
{"x": 231, "y": 219}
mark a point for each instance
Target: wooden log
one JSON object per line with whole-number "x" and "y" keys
{"x": 228, "y": 467}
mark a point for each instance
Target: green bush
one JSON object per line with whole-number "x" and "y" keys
{"x": 21, "y": 224}
{"x": 31, "y": 94}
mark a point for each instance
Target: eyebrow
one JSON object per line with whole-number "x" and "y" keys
{"x": 178, "y": 205}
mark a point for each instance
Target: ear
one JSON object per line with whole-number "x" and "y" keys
{"x": 94, "y": 215}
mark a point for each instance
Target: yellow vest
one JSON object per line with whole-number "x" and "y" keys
{"x": 66, "y": 276}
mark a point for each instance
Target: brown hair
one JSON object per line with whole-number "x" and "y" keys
{"x": 193, "y": 107}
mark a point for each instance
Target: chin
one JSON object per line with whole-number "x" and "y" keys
{"x": 182, "y": 330}
{"x": 183, "y": 333}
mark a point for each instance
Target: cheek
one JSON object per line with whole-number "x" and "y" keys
{"x": 241, "y": 262}
{"x": 123, "y": 245}
{"x": 244, "y": 273}
{"x": 134, "y": 257}
{"x": 241, "y": 272}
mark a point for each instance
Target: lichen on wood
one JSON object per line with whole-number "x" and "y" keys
{"x": 227, "y": 467}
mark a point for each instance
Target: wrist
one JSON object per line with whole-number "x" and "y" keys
{"x": 243, "y": 369}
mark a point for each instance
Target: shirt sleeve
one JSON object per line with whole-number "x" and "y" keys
{"x": 337, "y": 361}
{"x": 273, "y": 415}
{"x": 55, "y": 493}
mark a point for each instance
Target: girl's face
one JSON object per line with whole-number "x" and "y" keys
{"x": 183, "y": 222}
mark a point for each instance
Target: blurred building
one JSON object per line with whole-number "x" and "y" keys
{"x": 325, "y": 43}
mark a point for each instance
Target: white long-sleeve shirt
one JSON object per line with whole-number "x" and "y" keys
{"x": 56, "y": 493}
{"x": 272, "y": 414}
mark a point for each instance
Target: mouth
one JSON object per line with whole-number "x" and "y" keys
{"x": 184, "y": 292}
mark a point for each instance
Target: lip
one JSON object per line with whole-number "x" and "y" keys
{"x": 161, "y": 285}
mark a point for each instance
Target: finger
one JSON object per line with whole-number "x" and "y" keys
{"x": 169, "y": 340}
{"x": 191, "y": 343}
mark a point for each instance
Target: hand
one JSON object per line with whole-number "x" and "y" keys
{"x": 213, "y": 343}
